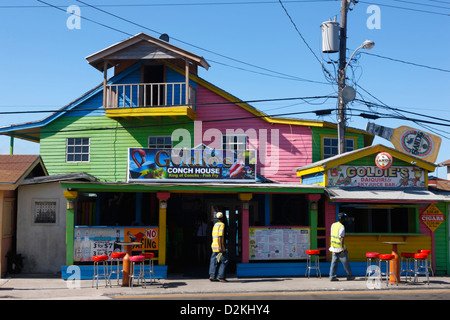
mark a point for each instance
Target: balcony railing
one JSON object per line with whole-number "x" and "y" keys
{"x": 148, "y": 95}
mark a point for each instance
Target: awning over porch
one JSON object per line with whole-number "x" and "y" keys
{"x": 358, "y": 194}
{"x": 194, "y": 187}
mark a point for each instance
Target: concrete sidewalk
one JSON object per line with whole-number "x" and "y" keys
{"x": 43, "y": 287}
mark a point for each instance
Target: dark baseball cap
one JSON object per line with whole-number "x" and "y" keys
{"x": 341, "y": 215}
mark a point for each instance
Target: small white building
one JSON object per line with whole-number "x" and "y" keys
{"x": 41, "y": 222}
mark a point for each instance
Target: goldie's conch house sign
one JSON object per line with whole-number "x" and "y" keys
{"x": 432, "y": 217}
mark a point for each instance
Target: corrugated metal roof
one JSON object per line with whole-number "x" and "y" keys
{"x": 386, "y": 194}
{"x": 80, "y": 176}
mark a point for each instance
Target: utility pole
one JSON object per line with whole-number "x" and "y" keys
{"x": 341, "y": 75}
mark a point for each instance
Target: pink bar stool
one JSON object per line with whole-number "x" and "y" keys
{"x": 116, "y": 257}
{"x": 149, "y": 256}
{"x": 309, "y": 266}
{"x": 371, "y": 256}
{"x": 140, "y": 276}
{"x": 406, "y": 263}
{"x": 430, "y": 264}
{"x": 387, "y": 258}
{"x": 421, "y": 266}
{"x": 101, "y": 259}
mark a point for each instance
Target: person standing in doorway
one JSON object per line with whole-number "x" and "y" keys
{"x": 338, "y": 248}
{"x": 219, "y": 256}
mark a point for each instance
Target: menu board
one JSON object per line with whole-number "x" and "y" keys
{"x": 278, "y": 243}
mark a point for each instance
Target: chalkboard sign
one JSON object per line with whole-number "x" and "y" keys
{"x": 278, "y": 243}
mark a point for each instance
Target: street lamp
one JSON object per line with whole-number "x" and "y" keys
{"x": 368, "y": 44}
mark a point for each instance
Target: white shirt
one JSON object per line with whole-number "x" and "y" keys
{"x": 341, "y": 235}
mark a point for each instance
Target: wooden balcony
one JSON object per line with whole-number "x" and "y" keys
{"x": 149, "y": 99}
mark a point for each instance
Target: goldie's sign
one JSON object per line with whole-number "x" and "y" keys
{"x": 372, "y": 176}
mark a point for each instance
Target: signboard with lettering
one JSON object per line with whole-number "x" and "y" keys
{"x": 278, "y": 243}
{"x": 432, "y": 217}
{"x": 93, "y": 241}
{"x": 372, "y": 176}
{"x": 409, "y": 140}
{"x": 190, "y": 165}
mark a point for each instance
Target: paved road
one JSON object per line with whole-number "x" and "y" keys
{"x": 432, "y": 294}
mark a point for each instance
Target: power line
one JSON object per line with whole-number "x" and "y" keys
{"x": 173, "y": 4}
{"x": 405, "y": 62}
{"x": 299, "y": 33}
{"x": 175, "y": 123}
{"x": 201, "y": 48}
{"x": 87, "y": 109}
{"x": 422, "y": 4}
{"x": 405, "y": 8}
{"x": 390, "y": 116}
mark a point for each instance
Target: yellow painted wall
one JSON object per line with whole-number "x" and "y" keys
{"x": 358, "y": 245}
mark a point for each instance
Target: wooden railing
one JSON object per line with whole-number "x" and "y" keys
{"x": 148, "y": 95}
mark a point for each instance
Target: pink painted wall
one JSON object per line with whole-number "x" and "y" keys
{"x": 294, "y": 145}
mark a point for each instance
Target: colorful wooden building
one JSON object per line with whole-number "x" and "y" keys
{"x": 384, "y": 205}
{"x": 144, "y": 132}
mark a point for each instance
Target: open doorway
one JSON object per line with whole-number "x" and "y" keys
{"x": 190, "y": 219}
{"x": 153, "y": 77}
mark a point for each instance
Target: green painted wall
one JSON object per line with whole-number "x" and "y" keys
{"x": 441, "y": 242}
{"x": 318, "y": 133}
{"x": 109, "y": 142}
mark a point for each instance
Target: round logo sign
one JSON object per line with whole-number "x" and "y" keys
{"x": 417, "y": 143}
{"x": 383, "y": 160}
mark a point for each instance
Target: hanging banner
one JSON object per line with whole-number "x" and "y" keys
{"x": 432, "y": 217}
{"x": 372, "y": 176}
{"x": 191, "y": 165}
{"x": 409, "y": 140}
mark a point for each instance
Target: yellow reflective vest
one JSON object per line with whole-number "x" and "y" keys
{"x": 218, "y": 231}
{"x": 335, "y": 239}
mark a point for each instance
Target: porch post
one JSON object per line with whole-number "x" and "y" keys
{"x": 105, "y": 76}
{"x": 70, "y": 224}
{"x": 186, "y": 67}
{"x": 313, "y": 216}
{"x": 162, "y": 197}
{"x": 245, "y": 198}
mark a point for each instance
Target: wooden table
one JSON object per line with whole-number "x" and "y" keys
{"x": 126, "y": 260}
{"x": 395, "y": 263}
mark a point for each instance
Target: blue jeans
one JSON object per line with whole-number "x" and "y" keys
{"x": 216, "y": 269}
{"x": 342, "y": 256}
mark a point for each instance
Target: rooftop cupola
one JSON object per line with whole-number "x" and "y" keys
{"x": 153, "y": 95}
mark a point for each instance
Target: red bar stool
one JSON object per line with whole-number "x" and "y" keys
{"x": 406, "y": 263}
{"x": 371, "y": 256}
{"x": 387, "y": 258}
{"x": 151, "y": 273}
{"x": 421, "y": 266}
{"x": 101, "y": 259}
{"x": 116, "y": 257}
{"x": 140, "y": 276}
{"x": 430, "y": 264}
{"x": 310, "y": 254}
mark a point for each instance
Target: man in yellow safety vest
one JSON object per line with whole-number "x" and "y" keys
{"x": 338, "y": 249}
{"x": 219, "y": 256}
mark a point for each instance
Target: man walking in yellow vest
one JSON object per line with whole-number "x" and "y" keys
{"x": 338, "y": 249}
{"x": 219, "y": 256}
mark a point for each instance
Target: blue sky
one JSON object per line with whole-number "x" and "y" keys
{"x": 254, "y": 51}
